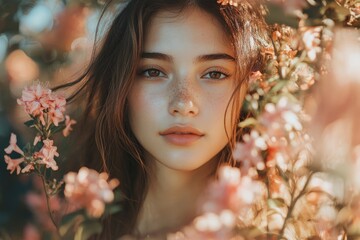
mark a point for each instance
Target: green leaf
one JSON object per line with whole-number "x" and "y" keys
{"x": 30, "y": 123}
{"x": 283, "y": 175}
{"x": 87, "y": 229}
{"x": 276, "y": 203}
{"x": 54, "y": 129}
{"x": 250, "y": 232}
{"x": 70, "y": 220}
{"x": 279, "y": 16}
{"x": 280, "y": 85}
{"x": 112, "y": 209}
{"x": 248, "y": 122}
{"x": 119, "y": 196}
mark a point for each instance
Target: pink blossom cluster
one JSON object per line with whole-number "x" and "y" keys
{"x": 90, "y": 190}
{"x": 227, "y": 203}
{"x": 249, "y": 152}
{"x": 278, "y": 128}
{"x": 47, "y": 111}
{"x": 45, "y": 156}
{"x": 311, "y": 38}
{"x": 39, "y": 101}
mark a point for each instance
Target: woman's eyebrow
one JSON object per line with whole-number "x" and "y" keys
{"x": 156, "y": 55}
{"x": 215, "y": 56}
{"x": 201, "y": 58}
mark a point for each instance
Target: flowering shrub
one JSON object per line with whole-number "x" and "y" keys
{"x": 87, "y": 191}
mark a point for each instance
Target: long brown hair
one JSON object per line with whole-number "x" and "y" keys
{"x": 110, "y": 144}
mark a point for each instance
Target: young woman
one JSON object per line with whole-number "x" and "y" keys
{"x": 164, "y": 94}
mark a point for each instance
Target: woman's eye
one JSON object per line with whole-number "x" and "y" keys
{"x": 215, "y": 75}
{"x": 153, "y": 73}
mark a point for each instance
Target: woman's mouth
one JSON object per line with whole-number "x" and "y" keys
{"x": 181, "y": 135}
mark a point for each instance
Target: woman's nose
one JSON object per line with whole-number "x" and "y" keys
{"x": 182, "y": 102}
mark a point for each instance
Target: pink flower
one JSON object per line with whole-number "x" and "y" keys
{"x": 354, "y": 12}
{"x": 35, "y": 99}
{"x": 39, "y": 101}
{"x": 28, "y": 168}
{"x": 47, "y": 154}
{"x": 13, "y": 164}
{"x": 31, "y": 233}
{"x": 37, "y": 139}
{"x": 255, "y": 76}
{"x": 13, "y": 146}
{"x": 228, "y": 200}
{"x": 68, "y": 123}
{"x": 211, "y": 226}
{"x": 249, "y": 151}
{"x": 231, "y": 191}
{"x": 326, "y": 230}
{"x": 305, "y": 76}
{"x": 280, "y": 118}
{"x": 279, "y": 153}
{"x": 57, "y": 109}
{"x": 90, "y": 190}
{"x": 311, "y": 39}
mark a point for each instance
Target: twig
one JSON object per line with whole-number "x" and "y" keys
{"x": 293, "y": 203}
{"x": 267, "y": 182}
{"x": 48, "y": 204}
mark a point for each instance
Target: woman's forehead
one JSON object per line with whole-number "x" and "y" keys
{"x": 189, "y": 28}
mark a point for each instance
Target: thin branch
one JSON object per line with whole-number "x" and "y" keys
{"x": 48, "y": 204}
{"x": 293, "y": 203}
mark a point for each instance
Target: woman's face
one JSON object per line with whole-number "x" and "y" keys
{"x": 184, "y": 83}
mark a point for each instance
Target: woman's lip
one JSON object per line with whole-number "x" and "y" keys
{"x": 181, "y": 139}
{"x": 181, "y": 135}
{"x": 182, "y": 130}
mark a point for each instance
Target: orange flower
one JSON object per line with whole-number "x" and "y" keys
{"x": 20, "y": 68}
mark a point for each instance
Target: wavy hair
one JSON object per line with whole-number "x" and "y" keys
{"x": 108, "y": 142}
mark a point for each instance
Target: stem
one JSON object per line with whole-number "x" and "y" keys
{"x": 293, "y": 203}
{"x": 293, "y": 66}
{"x": 267, "y": 182}
{"x": 48, "y": 204}
{"x": 344, "y": 236}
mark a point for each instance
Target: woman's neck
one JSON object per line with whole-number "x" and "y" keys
{"x": 171, "y": 201}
